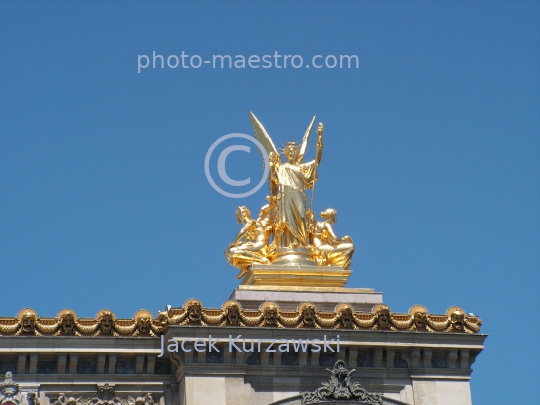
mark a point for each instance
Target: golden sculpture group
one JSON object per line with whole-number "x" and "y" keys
{"x": 286, "y": 231}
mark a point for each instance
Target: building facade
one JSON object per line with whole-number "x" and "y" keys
{"x": 263, "y": 346}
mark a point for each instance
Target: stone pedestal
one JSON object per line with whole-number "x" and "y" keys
{"x": 292, "y": 284}
{"x": 324, "y": 298}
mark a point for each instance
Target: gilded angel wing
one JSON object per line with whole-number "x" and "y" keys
{"x": 305, "y": 141}
{"x": 262, "y": 136}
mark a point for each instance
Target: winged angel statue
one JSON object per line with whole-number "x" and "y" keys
{"x": 287, "y": 218}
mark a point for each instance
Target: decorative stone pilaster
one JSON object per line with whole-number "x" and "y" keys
{"x": 302, "y": 358}
{"x": 428, "y": 353}
{"x": 390, "y": 355}
{"x": 21, "y": 364}
{"x": 353, "y": 357}
{"x": 315, "y": 358}
{"x": 464, "y": 358}
{"x": 243, "y": 357}
{"x": 341, "y": 354}
{"x": 61, "y": 363}
{"x": 150, "y": 366}
{"x": 452, "y": 358}
{"x": 73, "y": 360}
{"x": 139, "y": 364}
{"x": 227, "y": 357}
{"x": 189, "y": 357}
{"x": 277, "y": 358}
{"x": 112, "y": 364}
{"x": 415, "y": 357}
{"x": 265, "y": 356}
{"x": 100, "y": 367}
{"x": 32, "y": 367}
{"x": 377, "y": 357}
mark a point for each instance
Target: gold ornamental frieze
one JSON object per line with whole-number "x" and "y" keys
{"x": 143, "y": 324}
{"x": 67, "y": 323}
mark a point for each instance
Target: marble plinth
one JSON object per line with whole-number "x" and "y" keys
{"x": 324, "y": 298}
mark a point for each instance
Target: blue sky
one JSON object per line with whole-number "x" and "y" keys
{"x": 431, "y": 155}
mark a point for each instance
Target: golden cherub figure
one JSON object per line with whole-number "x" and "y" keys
{"x": 250, "y": 244}
{"x": 329, "y": 249}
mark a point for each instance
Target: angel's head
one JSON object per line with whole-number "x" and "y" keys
{"x": 329, "y": 215}
{"x": 242, "y": 213}
{"x": 291, "y": 152}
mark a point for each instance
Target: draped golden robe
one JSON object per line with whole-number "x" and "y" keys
{"x": 292, "y": 222}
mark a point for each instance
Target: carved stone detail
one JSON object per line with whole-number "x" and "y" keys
{"x": 10, "y": 393}
{"x": 105, "y": 395}
{"x": 63, "y": 399}
{"x": 340, "y": 388}
{"x": 146, "y": 400}
{"x": 31, "y": 398}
